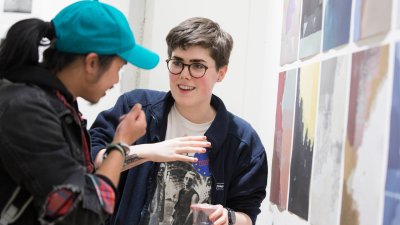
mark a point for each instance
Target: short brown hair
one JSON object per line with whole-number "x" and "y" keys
{"x": 199, "y": 31}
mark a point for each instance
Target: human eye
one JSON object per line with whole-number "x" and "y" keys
{"x": 198, "y": 66}
{"x": 176, "y": 63}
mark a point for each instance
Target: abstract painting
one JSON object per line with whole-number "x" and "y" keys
{"x": 371, "y": 17}
{"x": 311, "y": 24}
{"x": 303, "y": 139}
{"x": 364, "y": 153}
{"x": 283, "y": 138}
{"x": 392, "y": 187}
{"x": 290, "y": 31}
{"x": 336, "y": 23}
{"x": 326, "y": 176}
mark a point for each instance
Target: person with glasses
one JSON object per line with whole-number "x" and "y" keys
{"x": 235, "y": 164}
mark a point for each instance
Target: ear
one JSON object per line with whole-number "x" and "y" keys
{"x": 221, "y": 73}
{"x": 91, "y": 65}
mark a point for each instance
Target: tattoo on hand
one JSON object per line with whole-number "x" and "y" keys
{"x": 132, "y": 158}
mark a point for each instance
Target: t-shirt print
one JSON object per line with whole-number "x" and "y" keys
{"x": 179, "y": 184}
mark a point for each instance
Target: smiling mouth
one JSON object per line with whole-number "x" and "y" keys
{"x": 185, "y": 87}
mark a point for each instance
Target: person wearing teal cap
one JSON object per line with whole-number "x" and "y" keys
{"x": 46, "y": 172}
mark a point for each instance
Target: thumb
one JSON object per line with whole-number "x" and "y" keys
{"x": 136, "y": 111}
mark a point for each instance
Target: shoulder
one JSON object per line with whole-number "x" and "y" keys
{"x": 246, "y": 139}
{"x": 242, "y": 128}
{"x": 16, "y": 93}
{"x": 233, "y": 124}
{"x": 142, "y": 96}
{"x": 238, "y": 132}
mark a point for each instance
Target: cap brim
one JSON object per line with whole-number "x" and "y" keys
{"x": 141, "y": 57}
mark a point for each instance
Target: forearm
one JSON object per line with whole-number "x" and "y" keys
{"x": 177, "y": 149}
{"x": 112, "y": 166}
{"x": 135, "y": 158}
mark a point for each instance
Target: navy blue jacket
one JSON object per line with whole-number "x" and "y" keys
{"x": 237, "y": 158}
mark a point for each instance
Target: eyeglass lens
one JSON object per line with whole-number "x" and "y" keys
{"x": 176, "y": 67}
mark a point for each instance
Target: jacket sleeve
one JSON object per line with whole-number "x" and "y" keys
{"x": 103, "y": 128}
{"x": 248, "y": 186}
{"x": 37, "y": 157}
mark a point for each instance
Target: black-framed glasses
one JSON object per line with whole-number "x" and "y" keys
{"x": 196, "y": 70}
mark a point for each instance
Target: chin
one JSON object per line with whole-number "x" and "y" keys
{"x": 94, "y": 100}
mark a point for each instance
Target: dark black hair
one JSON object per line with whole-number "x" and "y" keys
{"x": 21, "y": 47}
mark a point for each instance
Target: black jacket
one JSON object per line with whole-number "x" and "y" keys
{"x": 41, "y": 149}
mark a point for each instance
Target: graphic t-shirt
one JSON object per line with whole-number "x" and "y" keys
{"x": 180, "y": 184}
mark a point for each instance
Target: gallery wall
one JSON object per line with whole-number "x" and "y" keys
{"x": 324, "y": 98}
{"x": 246, "y": 80}
{"x": 336, "y": 157}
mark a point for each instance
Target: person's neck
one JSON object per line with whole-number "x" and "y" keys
{"x": 197, "y": 114}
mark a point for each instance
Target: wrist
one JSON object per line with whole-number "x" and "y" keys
{"x": 231, "y": 216}
{"x": 120, "y": 147}
{"x": 142, "y": 151}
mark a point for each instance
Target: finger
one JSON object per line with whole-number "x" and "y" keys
{"x": 137, "y": 106}
{"x": 193, "y": 138}
{"x": 218, "y": 216}
{"x": 204, "y": 144}
{"x": 184, "y": 158}
{"x": 190, "y": 150}
{"x": 135, "y": 111}
{"x": 141, "y": 116}
{"x": 220, "y": 220}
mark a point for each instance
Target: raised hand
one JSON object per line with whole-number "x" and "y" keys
{"x": 131, "y": 126}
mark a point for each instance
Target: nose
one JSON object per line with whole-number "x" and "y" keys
{"x": 185, "y": 74}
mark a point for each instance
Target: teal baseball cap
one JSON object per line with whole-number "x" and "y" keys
{"x": 91, "y": 26}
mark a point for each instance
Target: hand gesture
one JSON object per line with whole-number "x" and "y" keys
{"x": 179, "y": 149}
{"x": 131, "y": 126}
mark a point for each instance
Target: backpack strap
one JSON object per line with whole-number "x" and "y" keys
{"x": 15, "y": 206}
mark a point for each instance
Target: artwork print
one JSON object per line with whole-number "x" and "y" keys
{"x": 329, "y": 144}
{"x": 283, "y": 138}
{"x": 303, "y": 140}
{"x": 290, "y": 31}
{"x": 392, "y": 186}
{"x": 18, "y": 6}
{"x": 311, "y": 24}
{"x": 365, "y": 138}
{"x": 372, "y": 17}
{"x": 336, "y": 23}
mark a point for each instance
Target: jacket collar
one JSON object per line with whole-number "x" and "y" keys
{"x": 216, "y": 133}
{"x": 159, "y": 117}
{"x": 219, "y": 128}
{"x": 38, "y": 76}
